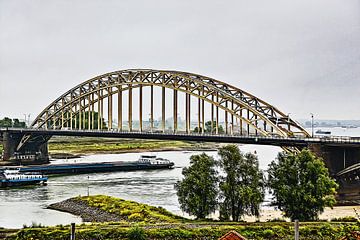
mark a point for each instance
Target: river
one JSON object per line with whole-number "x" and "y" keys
{"x": 27, "y": 205}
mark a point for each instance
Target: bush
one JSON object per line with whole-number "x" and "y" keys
{"x": 136, "y": 233}
{"x": 344, "y": 219}
{"x": 276, "y": 220}
{"x": 136, "y": 217}
{"x": 268, "y": 233}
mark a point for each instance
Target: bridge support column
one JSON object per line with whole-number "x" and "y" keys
{"x": 35, "y": 152}
{"x": 337, "y": 158}
{"x": 9, "y": 146}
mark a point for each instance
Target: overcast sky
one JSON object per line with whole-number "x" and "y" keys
{"x": 301, "y": 55}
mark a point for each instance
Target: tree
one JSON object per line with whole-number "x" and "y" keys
{"x": 76, "y": 120}
{"x": 301, "y": 185}
{"x": 242, "y": 189}
{"x": 208, "y": 128}
{"x": 18, "y": 124}
{"x": 197, "y": 192}
{"x": 85, "y": 120}
{"x": 6, "y": 122}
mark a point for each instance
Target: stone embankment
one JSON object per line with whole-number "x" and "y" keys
{"x": 86, "y": 212}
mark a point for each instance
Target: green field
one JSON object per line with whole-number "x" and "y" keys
{"x": 87, "y": 145}
{"x": 74, "y": 145}
{"x": 157, "y": 223}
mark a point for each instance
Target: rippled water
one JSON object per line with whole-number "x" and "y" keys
{"x": 155, "y": 187}
{"x": 25, "y": 205}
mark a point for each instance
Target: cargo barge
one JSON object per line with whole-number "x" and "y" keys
{"x": 144, "y": 163}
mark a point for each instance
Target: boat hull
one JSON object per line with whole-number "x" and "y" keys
{"x": 21, "y": 182}
{"x": 77, "y": 168}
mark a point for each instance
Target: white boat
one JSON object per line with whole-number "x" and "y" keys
{"x": 13, "y": 177}
{"x": 153, "y": 160}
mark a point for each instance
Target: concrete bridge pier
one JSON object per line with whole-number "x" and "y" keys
{"x": 35, "y": 152}
{"x": 9, "y": 145}
{"x": 339, "y": 159}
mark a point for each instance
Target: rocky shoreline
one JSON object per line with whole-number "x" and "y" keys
{"x": 86, "y": 212}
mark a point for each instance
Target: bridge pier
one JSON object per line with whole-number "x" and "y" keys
{"x": 9, "y": 145}
{"x": 35, "y": 152}
{"x": 337, "y": 158}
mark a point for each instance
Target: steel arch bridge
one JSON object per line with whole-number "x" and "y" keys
{"x": 180, "y": 105}
{"x": 228, "y": 108}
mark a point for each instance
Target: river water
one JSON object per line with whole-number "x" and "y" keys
{"x": 27, "y": 205}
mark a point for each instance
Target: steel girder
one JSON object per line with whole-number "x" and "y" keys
{"x": 261, "y": 116}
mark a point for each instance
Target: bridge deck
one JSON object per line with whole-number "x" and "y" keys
{"x": 246, "y": 139}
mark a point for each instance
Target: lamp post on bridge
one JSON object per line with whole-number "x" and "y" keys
{"x": 312, "y": 124}
{"x": 288, "y": 115}
{"x": 25, "y": 120}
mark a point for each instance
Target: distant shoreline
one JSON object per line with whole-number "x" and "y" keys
{"x": 71, "y": 156}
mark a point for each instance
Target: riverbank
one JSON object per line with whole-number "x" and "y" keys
{"x": 70, "y": 147}
{"x": 88, "y": 209}
{"x": 100, "y": 208}
{"x": 157, "y": 223}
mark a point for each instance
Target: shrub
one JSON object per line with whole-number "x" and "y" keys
{"x": 136, "y": 217}
{"x": 136, "y": 233}
{"x": 268, "y": 233}
{"x": 344, "y": 219}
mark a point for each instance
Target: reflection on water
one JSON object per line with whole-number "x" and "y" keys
{"x": 20, "y": 206}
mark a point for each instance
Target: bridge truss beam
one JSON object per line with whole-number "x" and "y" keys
{"x": 243, "y": 113}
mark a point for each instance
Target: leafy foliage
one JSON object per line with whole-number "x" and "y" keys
{"x": 8, "y": 122}
{"x": 136, "y": 233}
{"x": 130, "y": 211}
{"x": 278, "y": 231}
{"x": 83, "y": 119}
{"x": 242, "y": 187}
{"x": 197, "y": 192}
{"x": 92, "y": 145}
{"x": 208, "y": 128}
{"x": 301, "y": 185}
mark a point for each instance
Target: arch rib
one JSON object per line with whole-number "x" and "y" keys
{"x": 232, "y": 100}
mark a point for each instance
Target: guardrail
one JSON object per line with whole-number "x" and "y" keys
{"x": 316, "y": 138}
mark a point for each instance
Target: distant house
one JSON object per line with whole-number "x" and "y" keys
{"x": 232, "y": 235}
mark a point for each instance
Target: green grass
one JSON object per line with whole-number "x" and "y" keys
{"x": 93, "y": 145}
{"x": 315, "y": 231}
{"x": 156, "y": 223}
{"x": 131, "y": 211}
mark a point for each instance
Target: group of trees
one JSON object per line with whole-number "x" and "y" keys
{"x": 8, "y": 122}
{"x": 84, "y": 120}
{"x": 237, "y": 191}
{"x": 76, "y": 120}
{"x": 209, "y": 129}
{"x": 234, "y": 185}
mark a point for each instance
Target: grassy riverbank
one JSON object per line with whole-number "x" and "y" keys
{"x": 78, "y": 146}
{"x": 157, "y": 223}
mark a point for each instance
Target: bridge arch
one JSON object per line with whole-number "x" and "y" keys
{"x": 244, "y": 113}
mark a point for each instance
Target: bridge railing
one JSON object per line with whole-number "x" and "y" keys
{"x": 316, "y": 138}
